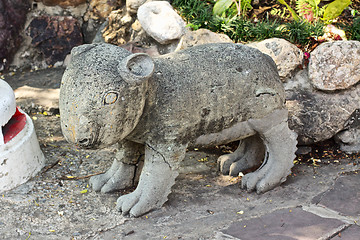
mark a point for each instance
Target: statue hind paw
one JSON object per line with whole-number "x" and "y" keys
{"x": 119, "y": 176}
{"x": 248, "y": 155}
{"x": 280, "y": 146}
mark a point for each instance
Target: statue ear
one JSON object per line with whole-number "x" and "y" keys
{"x": 136, "y": 68}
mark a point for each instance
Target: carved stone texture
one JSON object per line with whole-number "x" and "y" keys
{"x": 286, "y": 55}
{"x": 12, "y": 20}
{"x": 204, "y": 95}
{"x": 55, "y": 36}
{"x": 62, "y": 3}
{"x": 160, "y": 21}
{"x": 335, "y": 65}
{"x": 201, "y": 36}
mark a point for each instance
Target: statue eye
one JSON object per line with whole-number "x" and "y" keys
{"x": 110, "y": 98}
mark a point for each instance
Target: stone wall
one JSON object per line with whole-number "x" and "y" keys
{"x": 42, "y": 32}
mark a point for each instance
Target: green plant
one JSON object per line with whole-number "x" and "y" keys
{"x": 334, "y": 9}
{"x": 293, "y": 13}
{"x": 242, "y": 7}
{"x": 310, "y": 10}
{"x": 303, "y": 32}
{"x": 353, "y": 31}
{"x": 279, "y": 12}
{"x": 197, "y": 13}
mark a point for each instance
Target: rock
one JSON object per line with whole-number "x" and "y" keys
{"x": 201, "y": 36}
{"x": 55, "y": 36}
{"x": 317, "y": 116}
{"x": 286, "y": 55}
{"x": 136, "y": 26}
{"x": 99, "y": 33}
{"x": 349, "y": 138}
{"x": 160, "y": 21}
{"x": 62, "y": 3}
{"x": 102, "y": 8}
{"x": 152, "y": 50}
{"x": 12, "y": 20}
{"x": 133, "y": 5}
{"x": 335, "y": 65}
{"x": 118, "y": 29}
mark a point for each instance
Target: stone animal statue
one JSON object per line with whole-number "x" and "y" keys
{"x": 206, "y": 95}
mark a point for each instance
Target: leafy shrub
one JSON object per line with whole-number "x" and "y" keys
{"x": 309, "y": 9}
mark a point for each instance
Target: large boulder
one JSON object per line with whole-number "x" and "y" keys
{"x": 12, "y": 20}
{"x": 55, "y": 36}
{"x": 285, "y": 54}
{"x": 315, "y": 113}
{"x": 335, "y": 65}
{"x": 160, "y": 21}
{"x": 317, "y": 116}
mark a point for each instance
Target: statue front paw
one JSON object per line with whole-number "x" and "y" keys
{"x": 143, "y": 200}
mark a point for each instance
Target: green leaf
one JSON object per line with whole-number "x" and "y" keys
{"x": 334, "y": 9}
{"x": 293, "y": 13}
{"x": 221, "y": 6}
{"x": 314, "y": 3}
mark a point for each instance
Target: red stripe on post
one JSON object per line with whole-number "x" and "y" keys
{"x": 15, "y": 125}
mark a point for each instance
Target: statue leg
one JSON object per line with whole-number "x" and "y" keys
{"x": 280, "y": 147}
{"x": 156, "y": 180}
{"x": 121, "y": 174}
{"x": 249, "y": 154}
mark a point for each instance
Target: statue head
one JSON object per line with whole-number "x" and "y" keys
{"x": 102, "y": 94}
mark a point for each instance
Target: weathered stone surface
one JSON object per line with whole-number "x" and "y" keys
{"x": 102, "y": 8}
{"x": 12, "y": 20}
{"x": 117, "y": 31}
{"x": 133, "y": 5}
{"x": 134, "y": 48}
{"x": 285, "y": 224}
{"x": 201, "y": 36}
{"x": 62, "y": 3}
{"x": 317, "y": 116}
{"x": 55, "y": 36}
{"x": 349, "y": 140}
{"x": 160, "y": 106}
{"x": 286, "y": 55}
{"x": 160, "y": 21}
{"x": 344, "y": 197}
{"x": 351, "y": 233}
{"x": 335, "y": 65}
